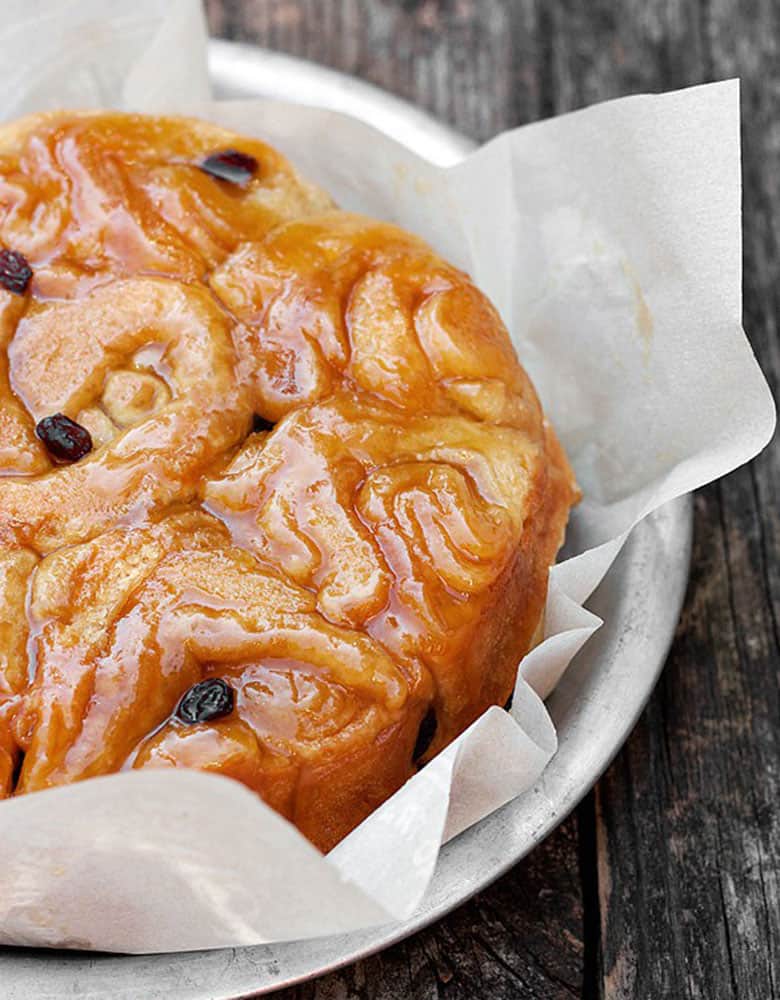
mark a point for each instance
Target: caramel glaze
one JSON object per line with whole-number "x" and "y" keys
{"x": 381, "y": 551}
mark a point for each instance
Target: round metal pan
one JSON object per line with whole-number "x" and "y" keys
{"x": 594, "y": 707}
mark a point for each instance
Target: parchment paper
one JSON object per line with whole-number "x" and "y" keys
{"x": 609, "y": 239}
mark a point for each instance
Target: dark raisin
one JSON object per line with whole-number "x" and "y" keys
{"x": 65, "y": 440}
{"x": 509, "y": 701}
{"x": 206, "y": 700}
{"x": 15, "y": 272}
{"x": 425, "y": 734}
{"x": 230, "y": 165}
{"x": 261, "y": 424}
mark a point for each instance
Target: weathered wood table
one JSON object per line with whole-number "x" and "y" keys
{"x": 665, "y": 883}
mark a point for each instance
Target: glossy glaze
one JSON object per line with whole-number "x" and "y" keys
{"x": 379, "y": 553}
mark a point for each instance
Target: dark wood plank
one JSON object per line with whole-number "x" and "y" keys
{"x": 688, "y": 825}
{"x": 688, "y": 844}
{"x": 474, "y": 63}
{"x": 679, "y": 849}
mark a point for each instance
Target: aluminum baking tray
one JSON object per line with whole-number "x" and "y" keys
{"x": 594, "y": 707}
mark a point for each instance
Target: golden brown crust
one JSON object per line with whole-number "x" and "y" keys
{"x": 513, "y": 619}
{"x": 355, "y": 581}
{"x": 91, "y": 196}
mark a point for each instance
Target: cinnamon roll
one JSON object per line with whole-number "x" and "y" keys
{"x": 277, "y": 500}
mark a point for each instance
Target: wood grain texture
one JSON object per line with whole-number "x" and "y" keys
{"x": 520, "y": 938}
{"x": 666, "y": 884}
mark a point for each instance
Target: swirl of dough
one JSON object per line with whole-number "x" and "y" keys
{"x": 69, "y": 356}
{"x": 89, "y": 196}
{"x": 16, "y": 565}
{"x": 404, "y": 529}
{"x": 21, "y": 453}
{"x": 124, "y": 624}
{"x": 340, "y": 297}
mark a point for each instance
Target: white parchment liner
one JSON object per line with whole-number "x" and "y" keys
{"x": 609, "y": 240}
